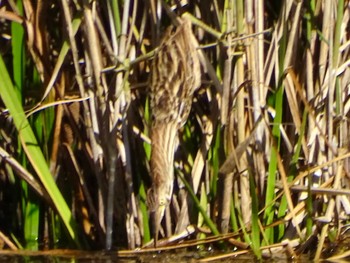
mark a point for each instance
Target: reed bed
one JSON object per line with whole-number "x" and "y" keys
{"x": 263, "y": 159}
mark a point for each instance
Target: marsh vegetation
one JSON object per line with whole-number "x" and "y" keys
{"x": 262, "y": 161}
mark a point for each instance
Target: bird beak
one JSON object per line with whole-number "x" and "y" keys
{"x": 158, "y": 215}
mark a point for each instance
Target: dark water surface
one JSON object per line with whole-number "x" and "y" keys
{"x": 171, "y": 257}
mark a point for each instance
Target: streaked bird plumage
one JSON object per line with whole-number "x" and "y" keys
{"x": 175, "y": 76}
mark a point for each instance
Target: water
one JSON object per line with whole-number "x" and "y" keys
{"x": 166, "y": 257}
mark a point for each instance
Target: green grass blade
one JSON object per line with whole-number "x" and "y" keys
{"x": 233, "y": 216}
{"x": 30, "y": 205}
{"x": 276, "y": 139}
{"x": 255, "y": 237}
{"x": 200, "y": 221}
{"x": 32, "y": 224}
{"x": 18, "y": 52}
{"x": 143, "y": 207}
{"x": 206, "y": 218}
{"x": 116, "y": 15}
{"x": 33, "y": 151}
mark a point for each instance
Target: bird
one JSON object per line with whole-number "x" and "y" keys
{"x": 175, "y": 76}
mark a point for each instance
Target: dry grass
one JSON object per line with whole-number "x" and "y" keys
{"x": 264, "y": 154}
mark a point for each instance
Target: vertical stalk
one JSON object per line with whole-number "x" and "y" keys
{"x": 276, "y": 136}
{"x": 241, "y": 124}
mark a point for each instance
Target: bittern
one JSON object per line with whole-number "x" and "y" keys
{"x": 175, "y": 75}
